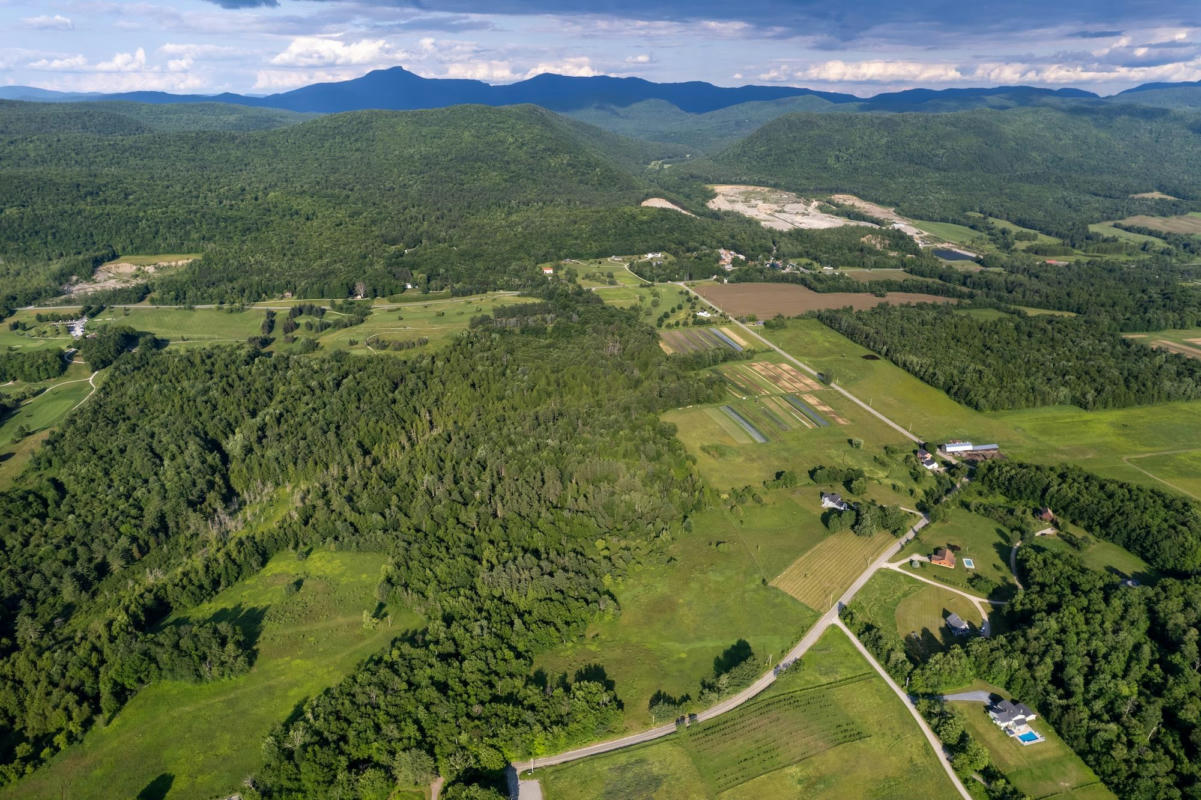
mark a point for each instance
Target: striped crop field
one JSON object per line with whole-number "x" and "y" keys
{"x": 695, "y": 340}
{"x": 728, "y": 426}
{"x": 801, "y": 406}
{"x": 822, "y": 407}
{"x": 771, "y": 733}
{"x": 742, "y": 422}
{"x": 730, "y": 332}
{"x": 824, "y": 572}
{"x": 785, "y": 377}
{"x": 787, "y": 412}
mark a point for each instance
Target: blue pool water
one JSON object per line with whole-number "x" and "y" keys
{"x": 1028, "y": 737}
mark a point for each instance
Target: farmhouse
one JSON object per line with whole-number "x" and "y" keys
{"x": 943, "y": 557}
{"x": 927, "y": 460}
{"x": 957, "y": 625}
{"x": 835, "y": 501}
{"x": 1046, "y": 515}
{"x": 548, "y": 270}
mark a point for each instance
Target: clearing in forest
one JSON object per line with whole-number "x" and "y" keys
{"x": 775, "y": 208}
{"x": 1184, "y": 223}
{"x": 766, "y": 300}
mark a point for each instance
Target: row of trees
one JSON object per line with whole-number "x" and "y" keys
{"x": 1016, "y": 361}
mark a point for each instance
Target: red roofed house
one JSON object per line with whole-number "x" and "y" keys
{"x": 943, "y": 557}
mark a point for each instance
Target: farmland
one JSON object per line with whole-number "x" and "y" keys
{"x": 207, "y": 737}
{"x": 766, "y": 300}
{"x": 797, "y": 739}
{"x": 692, "y": 340}
{"x": 1184, "y": 341}
{"x": 1189, "y": 224}
{"x": 1110, "y": 442}
{"x": 1048, "y": 769}
{"x": 969, "y": 536}
{"x": 710, "y": 589}
{"x": 822, "y": 574}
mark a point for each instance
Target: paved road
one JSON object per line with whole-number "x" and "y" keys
{"x": 934, "y": 741}
{"x": 968, "y": 697}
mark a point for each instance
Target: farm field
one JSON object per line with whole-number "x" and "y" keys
{"x": 766, "y": 300}
{"x": 823, "y": 573}
{"x": 1184, "y": 223}
{"x": 969, "y": 536}
{"x": 1099, "y": 441}
{"x": 827, "y": 729}
{"x": 436, "y": 320}
{"x": 1108, "y": 229}
{"x": 207, "y": 737}
{"x": 1186, "y": 341}
{"x": 599, "y": 271}
{"x": 955, "y": 234}
{"x": 869, "y": 275}
{"x": 915, "y": 610}
{"x": 675, "y": 621}
{"x": 1048, "y": 769}
{"x": 39, "y": 417}
{"x": 693, "y": 340}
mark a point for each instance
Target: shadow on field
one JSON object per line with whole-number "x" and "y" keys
{"x": 157, "y": 789}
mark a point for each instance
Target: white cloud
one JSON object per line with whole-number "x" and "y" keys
{"x": 56, "y": 22}
{"x": 198, "y": 50}
{"x": 641, "y": 58}
{"x": 124, "y": 62}
{"x": 68, "y": 63}
{"x": 284, "y": 79}
{"x": 576, "y": 67}
{"x": 877, "y": 71}
{"x": 316, "y": 51}
{"x": 481, "y": 70}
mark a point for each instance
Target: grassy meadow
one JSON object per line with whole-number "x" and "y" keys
{"x": 206, "y": 738}
{"x": 829, "y": 728}
{"x": 970, "y": 536}
{"x": 677, "y": 617}
{"x": 915, "y": 610}
{"x": 1110, "y": 443}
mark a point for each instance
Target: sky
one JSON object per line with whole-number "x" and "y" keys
{"x": 865, "y": 47}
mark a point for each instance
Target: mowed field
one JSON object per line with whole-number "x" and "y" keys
{"x": 916, "y": 611}
{"x": 711, "y": 590}
{"x": 1047, "y": 770}
{"x": 969, "y": 535}
{"x": 828, "y": 729}
{"x": 819, "y": 576}
{"x": 1185, "y": 223}
{"x": 1109, "y": 443}
{"x": 766, "y": 300}
{"x": 39, "y": 417}
{"x": 202, "y": 740}
{"x": 1186, "y": 341}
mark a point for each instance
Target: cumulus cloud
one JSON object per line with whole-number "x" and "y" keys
{"x": 74, "y": 62}
{"x": 576, "y": 67}
{"x": 871, "y": 71}
{"x": 481, "y": 70}
{"x": 316, "y": 51}
{"x": 124, "y": 62}
{"x": 57, "y": 22}
{"x": 641, "y": 58}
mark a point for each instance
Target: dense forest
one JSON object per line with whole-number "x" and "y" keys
{"x": 1018, "y": 361}
{"x": 470, "y": 197}
{"x": 507, "y": 475}
{"x": 1050, "y": 169}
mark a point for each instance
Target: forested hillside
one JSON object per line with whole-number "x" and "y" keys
{"x": 1020, "y": 361}
{"x": 467, "y": 196}
{"x": 1044, "y": 168}
{"x": 511, "y": 477}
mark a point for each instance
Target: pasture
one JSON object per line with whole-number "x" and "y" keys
{"x": 766, "y": 300}
{"x": 823, "y": 573}
{"x": 208, "y": 737}
{"x": 38, "y": 417}
{"x": 695, "y": 340}
{"x": 828, "y": 729}
{"x": 1109, "y": 442}
{"x": 1188, "y": 224}
{"x": 678, "y": 615}
{"x": 1048, "y": 769}
{"x": 598, "y": 272}
{"x": 1186, "y": 341}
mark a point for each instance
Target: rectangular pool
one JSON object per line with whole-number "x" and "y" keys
{"x": 1029, "y": 737}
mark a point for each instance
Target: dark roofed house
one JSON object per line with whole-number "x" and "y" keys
{"x": 1006, "y": 713}
{"x": 835, "y": 501}
{"x": 957, "y": 625}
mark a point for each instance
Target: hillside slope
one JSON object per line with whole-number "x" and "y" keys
{"x": 1045, "y": 168}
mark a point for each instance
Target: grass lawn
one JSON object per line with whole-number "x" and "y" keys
{"x": 955, "y": 234}
{"x": 914, "y": 609}
{"x": 829, "y": 728}
{"x": 599, "y": 271}
{"x": 207, "y": 737}
{"x": 39, "y": 416}
{"x": 677, "y": 618}
{"x": 181, "y": 325}
{"x": 436, "y": 320}
{"x": 1047, "y": 769}
{"x": 1099, "y": 441}
{"x": 970, "y": 536}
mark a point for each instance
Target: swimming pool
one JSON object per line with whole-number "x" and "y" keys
{"x": 969, "y": 564}
{"x": 1029, "y": 737}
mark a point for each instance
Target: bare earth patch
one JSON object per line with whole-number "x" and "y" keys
{"x": 766, "y": 300}
{"x": 119, "y": 274}
{"x": 1176, "y": 347}
{"x": 775, "y": 208}
{"x": 880, "y": 212}
{"x": 1153, "y": 196}
{"x": 660, "y": 202}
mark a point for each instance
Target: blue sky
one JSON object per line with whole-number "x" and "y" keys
{"x": 262, "y": 46}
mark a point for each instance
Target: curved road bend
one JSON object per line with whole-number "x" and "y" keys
{"x": 904, "y": 432}
{"x": 767, "y": 679}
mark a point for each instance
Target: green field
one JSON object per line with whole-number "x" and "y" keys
{"x": 1099, "y": 441}
{"x": 1048, "y": 769}
{"x": 149, "y": 260}
{"x": 970, "y": 536}
{"x": 599, "y": 271}
{"x": 39, "y": 416}
{"x": 207, "y": 737}
{"x": 828, "y": 729}
{"x": 955, "y": 234}
{"x": 676, "y": 618}
{"x": 1099, "y": 555}
{"x": 915, "y": 610}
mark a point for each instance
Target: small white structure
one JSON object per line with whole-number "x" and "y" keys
{"x": 834, "y": 501}
{"x": 76, "y": 327}
{"x": 704, "y": 314}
